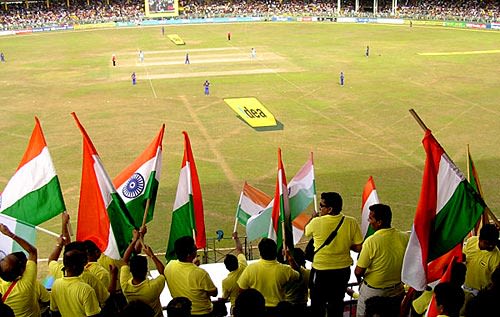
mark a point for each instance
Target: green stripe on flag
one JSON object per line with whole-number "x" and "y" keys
{"x": 243, "y": 216}
{"x": 258, "y": 227}
{"x": 39, "y": 205}
{"x": 25, "y": 231}
{"x": 300, "y": 201}
{"x": 455, "y": 220}
{"x": 182, "y": 225}
{"x": 120, "y": 222}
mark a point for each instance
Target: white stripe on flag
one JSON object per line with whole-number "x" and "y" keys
{"x": 448, "y": 181}
{"x": 39, "y": 168}
{"x": 183, "y": 188}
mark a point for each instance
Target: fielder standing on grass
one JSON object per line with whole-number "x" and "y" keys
{"x": 133, "y": 78}
{"x": 342, "y": 79}
{"x": 253, "y": 53}
{"x": 206, "y": 84}
{"x": 186, "y": 61}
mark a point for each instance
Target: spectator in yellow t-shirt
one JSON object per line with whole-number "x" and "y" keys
{"x": 482, "y": 257}
{"x": 268, "y": 276}
{"x": 93, "y": 254}
{"x": 71, "y": 296}
{"x": 378, "y": 269}
{"x": 133, "y": 278}
{"x": 235, "y": 265}
{"x": 331, "y": 267}
{"x": 185, "y": 279}
{"x": 18, "y": 277}
{"x": 56, "y": 268}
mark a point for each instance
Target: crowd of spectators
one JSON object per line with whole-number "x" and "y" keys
{"x": 37, "y": 14}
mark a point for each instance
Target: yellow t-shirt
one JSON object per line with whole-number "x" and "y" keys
{"x": 105, "y": 261}
{"x": 382, "y": 257}
{"x": 101, "y": 291}
{"x": 480, "y": 264}
{"x": 421, "y": 303}
{"x": 148, "y": 291}
{"x": 99, "y": 271}
{"x": 337, "y": 254}
{"x": 187, "y": 280}
{"x": 22, "y": 297}
{"x": 230, "y": 287}
{"x": 297, "y": 292}
{"x": 72, "y": 297}
{"x": 41, "y": 296}
{"x": 269, "y": 278}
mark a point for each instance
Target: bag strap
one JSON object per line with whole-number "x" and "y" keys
{"x": 4, "y": 297}
{"x": 330, "y": 237}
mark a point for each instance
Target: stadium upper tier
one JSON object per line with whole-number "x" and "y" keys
{"x": 37, "y": 14}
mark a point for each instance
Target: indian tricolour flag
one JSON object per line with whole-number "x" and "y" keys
{"x": 447, "y": 210}
{"x": 187, "y": 217}
{"x": 302, "y": 192}
{"x": 369, "y": 198}
{"x": 102, "y": 214}
{"x": 269, "y": 222}
{"x": 139, "y": 182}
{"x": 33, "y": 194}
{"x": 19, "y": 228}
{"x": 432, "y": 309}
{"x": 252, "y": 201}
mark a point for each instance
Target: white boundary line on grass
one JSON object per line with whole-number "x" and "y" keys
{"x": 150, "y": 81}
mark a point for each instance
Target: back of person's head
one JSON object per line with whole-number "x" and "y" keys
{"x": 75, "y": 245}
{"x": 333, "y": 200}
{"x": 489, "y": 232}
{"x": 139, "y": 267}
{"x": 450, "y": 298}
{"x": 6, "y": 311}
{"x": 184, "y": 247}
{"x": 137, "y": 308}
{"x": 179, "y": 307}
{"x": 74, "y": 261}
{"x": 268, "y": 249}
{"x": 458, "y": 271}
{"x": 299, "y": 256}
{"x": 12, "y": 267}
{"x": 93, "y": 251}
{"x": 249, "y": 303}
{"x": 231, "y": 262}
{"x": 382, "y": 213}
{"x": 21, "y": 257}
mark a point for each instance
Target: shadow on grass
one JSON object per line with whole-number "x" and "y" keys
{"x": 278, "y": 126}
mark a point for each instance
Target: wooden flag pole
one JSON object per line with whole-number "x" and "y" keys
{"x": 238, "y": 208}
{"x": 419, "y": 121}
{"x": 468, "y": 162}
{"x": 144, "y": 217}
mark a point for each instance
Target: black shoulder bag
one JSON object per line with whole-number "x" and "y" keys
{"x": 310, "y": 252}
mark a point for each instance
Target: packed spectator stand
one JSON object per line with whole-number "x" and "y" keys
{"x": 19, "y": 15}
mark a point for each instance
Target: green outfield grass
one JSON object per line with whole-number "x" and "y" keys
{"x": 355, "y": 131}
